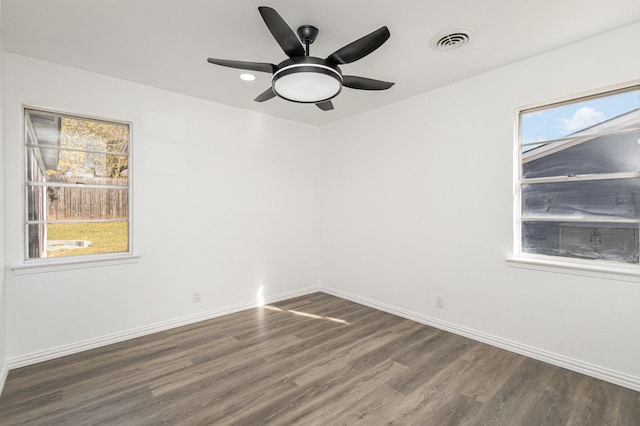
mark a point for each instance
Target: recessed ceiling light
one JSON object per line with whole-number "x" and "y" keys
{"x": 247, "y": 77}
{"x": 452, "y": 38}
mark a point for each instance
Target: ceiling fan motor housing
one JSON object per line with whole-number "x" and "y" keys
{"x": 307, "y": 79}
{"x": 307, "y": 33}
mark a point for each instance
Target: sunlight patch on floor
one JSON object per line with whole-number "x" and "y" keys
{"x": 308, "y": 315}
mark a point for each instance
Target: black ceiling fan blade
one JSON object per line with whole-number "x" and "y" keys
{"x": 283, "y": 34}
{"x": 325, "y": 106}
{"x": 265, "y": 96}
{"x": 361, "y": 47}
{"x": 362, "y": 83}
{"x": 251, "y": 66}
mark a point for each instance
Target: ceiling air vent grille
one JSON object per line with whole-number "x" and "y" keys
{"x": 452, "y": 38}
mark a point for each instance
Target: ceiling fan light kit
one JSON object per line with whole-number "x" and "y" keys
{"x": 308, "y": 79}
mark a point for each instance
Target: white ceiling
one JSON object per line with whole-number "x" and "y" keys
{"x": 165, "y": 43}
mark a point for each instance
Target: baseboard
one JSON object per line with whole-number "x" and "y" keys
{"x": 60, "y": 351}
{"x": 4, "y": 372}
{"x": 588, "y": 369}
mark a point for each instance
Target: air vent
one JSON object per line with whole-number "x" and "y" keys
{"x": 452, "y": 38}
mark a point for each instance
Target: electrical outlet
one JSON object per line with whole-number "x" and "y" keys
{"x": 440, "y": 302}
{"x": 197, "y": 297}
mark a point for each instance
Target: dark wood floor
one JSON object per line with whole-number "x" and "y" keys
{"x": 313, "y": 360}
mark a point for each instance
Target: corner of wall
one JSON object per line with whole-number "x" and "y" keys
{"x": 3, "y": 329}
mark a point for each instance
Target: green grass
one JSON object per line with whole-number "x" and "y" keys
{"x": 110, "y": 237}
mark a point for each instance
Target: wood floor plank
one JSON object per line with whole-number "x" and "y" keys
{"x": 352, "y": 389}
{"x": 629, "y": 412}
{"x": 490, "y": 372}
{"x": 449, "y": 348}
{"x": 309, "y": 360}
{"x": 367, "y": 410}
{"x": 519, "y": 394}
{"x": 435, "y": 393}
{"x": 596, "y": 403}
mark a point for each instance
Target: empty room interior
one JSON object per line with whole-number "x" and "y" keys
{"x": 337, "y": 212}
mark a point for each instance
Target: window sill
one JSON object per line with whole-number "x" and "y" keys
{"x": 613, "y": 272}
{"x": 42, "y": 266}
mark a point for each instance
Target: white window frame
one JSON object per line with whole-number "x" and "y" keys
{"x": 46, "y": 264}
{"x": 560, "y": 264}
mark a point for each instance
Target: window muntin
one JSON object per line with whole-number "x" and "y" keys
{"x": 77, "y": 185}
{"x": 579, "y": 178}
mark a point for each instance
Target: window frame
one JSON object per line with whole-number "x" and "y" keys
{"x": 551, "y": 263}
{"x": 43, "y": 264}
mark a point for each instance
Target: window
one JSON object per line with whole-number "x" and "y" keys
{"x": 77, "y": 185}
{"x": 579, "y": 178}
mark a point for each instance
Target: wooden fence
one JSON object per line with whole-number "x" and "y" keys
{"x": 81, "y": 203}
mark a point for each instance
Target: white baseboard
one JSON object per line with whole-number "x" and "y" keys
{"x": 592, "y": 370}
{"x": 60, "y": 351}
{"x": 4, "y": 372}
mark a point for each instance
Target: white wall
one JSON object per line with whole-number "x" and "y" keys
{"x": 3, "y": 299}
{"x": 418, "y": 201}
{"x": 225, "y": 201}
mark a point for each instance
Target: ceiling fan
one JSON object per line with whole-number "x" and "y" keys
{"x": 308, "y": 79}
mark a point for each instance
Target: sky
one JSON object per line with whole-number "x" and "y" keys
{"x": 553, "y": 123}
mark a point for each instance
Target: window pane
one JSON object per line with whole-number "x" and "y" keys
{"x": 610, "y": 198}
{"x": 603, "y": 154}
{"x": 584, "y": 116}
{"x": 35, "y": 240}
{"x": 36, "y": 203}
{"x": 612, "y": 242}
{"x": 73, "y": 203}
{"x": 65, "y": 239}
{"x": 93, "y": 135}
{"x": 80, "y": 164}
{"x": 34, "y": 171}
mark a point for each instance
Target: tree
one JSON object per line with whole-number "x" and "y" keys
{"x": 110, "y": 141}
